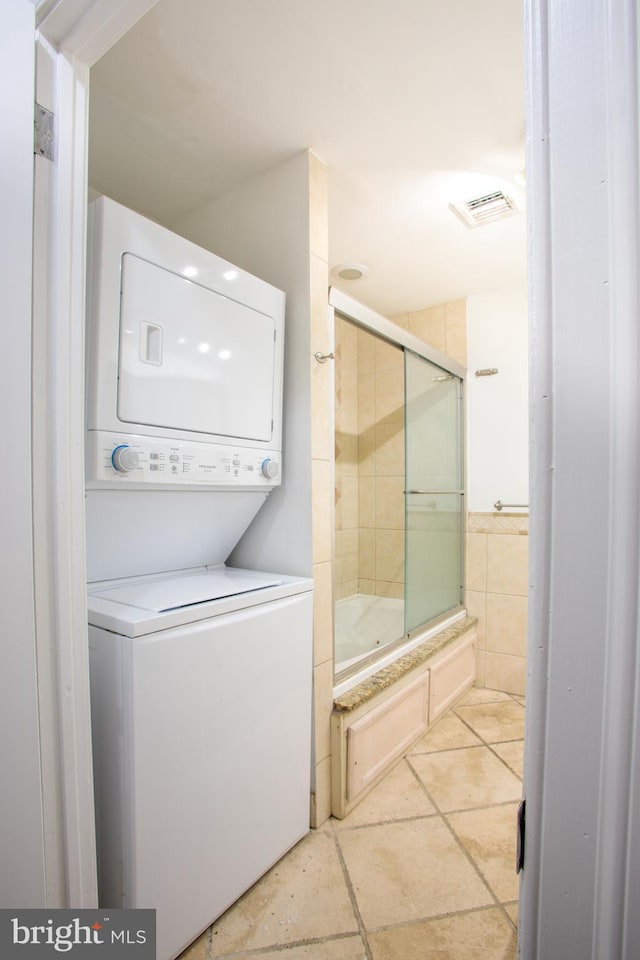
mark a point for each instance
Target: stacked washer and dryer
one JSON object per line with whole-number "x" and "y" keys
{"x": 200, "y": 671}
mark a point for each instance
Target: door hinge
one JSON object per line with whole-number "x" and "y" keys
{"x": 43, "y": 139}
{"x": 522, "y": 816}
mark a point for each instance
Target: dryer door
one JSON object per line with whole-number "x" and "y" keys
{"x": 191, "y": 359}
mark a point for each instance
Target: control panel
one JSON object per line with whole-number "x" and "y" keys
{"x": 144, "y": 461}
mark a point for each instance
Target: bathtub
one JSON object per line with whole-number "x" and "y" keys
{"x": 370, "y": 630}
{"x": 363, "y": 624}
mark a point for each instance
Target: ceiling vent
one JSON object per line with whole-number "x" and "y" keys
{"x": 481, "y": 210}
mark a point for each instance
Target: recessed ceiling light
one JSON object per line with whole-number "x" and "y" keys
{"x": 350, "y": 271}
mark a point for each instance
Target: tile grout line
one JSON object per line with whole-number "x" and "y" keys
{"x": 449, "y": 914}
{"x": 457, "y": 840}
{"x": 490, "y": 747}
{"x": 352, "y": 895}
{"x": 503, "y": 761}
{"x": 281, "y": 947}
{"x": 495, "y": 742}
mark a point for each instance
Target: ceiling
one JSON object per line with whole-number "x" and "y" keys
{"x": 412, "y": 104}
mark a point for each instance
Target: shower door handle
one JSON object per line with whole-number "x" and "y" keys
{"x": 432, "y": 493}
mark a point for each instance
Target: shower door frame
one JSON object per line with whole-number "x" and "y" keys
{"x": 367, "y": 319}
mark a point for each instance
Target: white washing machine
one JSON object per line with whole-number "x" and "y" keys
{"x": 201, "y": 738}
{"x": 200, "y": 672}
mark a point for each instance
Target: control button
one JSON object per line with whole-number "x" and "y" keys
{"x": 154, "y": 456}
{"x": 124, "y": 459}
{"x": 270, "y": 469}
{"x": 154, "y": 466}
{"x": 174, "y": 458}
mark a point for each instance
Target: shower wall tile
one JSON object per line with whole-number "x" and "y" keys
{"x": 349, "y": 402}
{"x": 349, "y": 502}
{"x": 349, "y": 336}
{"x": 507, "y": 624}
{"x": 337, "y": 503}
{"x": 367, "y": 452}
{"x": 321, "y": 798}
{"x": 388, "y": 358}
{"x": 337, "y": 556}
{"x": 322, "y": 375}
{"x": 402, "y": 320}
{"x": 349, "y": 588}
{"x": 366, "y": 409}
{"x": 515, "y": 523}
{"x": 323, "y": 394}
{"x": 366, "y": 353}
{"x": 349, "y": 554}
{"x": 346, "y": 449}
{"x": 318, "y": 208}
{"x": 367, "y": 554}
{"x": 384, "y": 588}
{"x": 322, "y": 438}
{"x": 389, "y": 503}
{"x": 430, "y": 325}
{"x": 480, "y": 668}
{"x": 322, "y": 333}
{"x": 367, "y": 501}
{"x": 389, "y": 397}
{"x": 368, "y": 587}
{"x": 322, "y": 613}
{"x": 476, "y": 604}
{"x": 323, "y": 705}
{"x": 503, "y": 672}
{"x": 389, "y": 450}
{"x": 322, "y": 493}
{"x": 456, "y": 330}
{"x": 476, "y": 561}
{"x": 501, "y": 604}
{"x": 390, "y": 555}
{"x": 507, "y": 564}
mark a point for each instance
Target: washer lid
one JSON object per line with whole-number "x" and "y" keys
{"x": 164, "y": 595}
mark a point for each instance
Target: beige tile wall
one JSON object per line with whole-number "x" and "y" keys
{"x": 369, "y": 417}
{"x": 369, "y": 464}
{"x": 496, "y": 593}
{"x": 443, "y": 327}
{"x": 322, "y": 453}
{"x": 346, "y": 460}
{"x": 381, "y": 467}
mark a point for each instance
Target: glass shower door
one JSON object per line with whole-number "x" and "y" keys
{"x": 434, "y": 496}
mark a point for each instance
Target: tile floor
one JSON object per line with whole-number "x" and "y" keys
{"x": 422, "y": 869}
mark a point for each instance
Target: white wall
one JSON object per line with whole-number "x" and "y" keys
{"x": 263, "y": 227}
{"x": 497, "y": 407}
{"x": 22, "y": 879}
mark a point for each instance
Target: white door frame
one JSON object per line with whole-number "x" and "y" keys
{"x": 22, "y": 880}
{"x": 72, "y": 35}
{"x": 582, "y": 59}
{"x": 581, "y": 753}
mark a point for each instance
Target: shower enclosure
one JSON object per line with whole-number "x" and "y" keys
{"x": 399, "y": 488}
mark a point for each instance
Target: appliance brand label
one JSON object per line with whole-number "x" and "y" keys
{"x": 79, "y": 934}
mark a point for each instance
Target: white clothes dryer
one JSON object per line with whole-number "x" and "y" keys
{"x": 200, "y": 673}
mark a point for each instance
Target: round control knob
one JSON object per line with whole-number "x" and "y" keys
{"x": 270, "y": 469}
{"x": 124, "y": 459}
